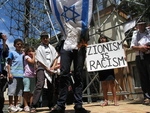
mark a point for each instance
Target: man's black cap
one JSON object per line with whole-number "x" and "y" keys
{"x": 44, "y": 33}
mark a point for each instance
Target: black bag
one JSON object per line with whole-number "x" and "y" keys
{"x": 59, "y": 45}
{"x": 3, "y": 81}
{"x": 3, "y": 86}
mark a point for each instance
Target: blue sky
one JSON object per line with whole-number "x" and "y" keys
{"x": 5, "y": 31}
{"x": 4, "y": 28}
{"x": 5, "y": 24}
{"x": 8, "y": 25}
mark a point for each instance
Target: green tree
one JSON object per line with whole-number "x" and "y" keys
{"x": 33, "y": 42}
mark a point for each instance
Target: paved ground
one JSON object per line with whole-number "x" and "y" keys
{"x": 125, "y": 106}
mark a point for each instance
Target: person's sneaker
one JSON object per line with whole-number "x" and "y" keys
{"x": 57, "y": 109}
{"x": 12, "y": 109}
{"x": 26, "y": 109}
{"x": 19, "y": 108}
{"x": 81, "y": 110}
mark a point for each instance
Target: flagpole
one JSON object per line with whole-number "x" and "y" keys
{"x": 50, "y": 21}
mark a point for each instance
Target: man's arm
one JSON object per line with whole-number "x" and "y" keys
{"x": 9, "y": 62}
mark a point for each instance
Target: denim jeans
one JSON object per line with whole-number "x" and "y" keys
{"x": 78, "y": 58}
{"x": 1, "y": 96}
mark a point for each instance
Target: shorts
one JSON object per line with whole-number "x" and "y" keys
{"x": 29, "y": 84}
{"x": 15, "y": 87}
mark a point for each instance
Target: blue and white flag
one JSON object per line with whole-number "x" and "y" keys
{"x": 74, "y": 17}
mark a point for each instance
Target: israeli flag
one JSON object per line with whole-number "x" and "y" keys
{"x": 74, "y": 17}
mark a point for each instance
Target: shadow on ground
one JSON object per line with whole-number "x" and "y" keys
{"x": 135, "y": 102}
{"x": 46, "y": 110}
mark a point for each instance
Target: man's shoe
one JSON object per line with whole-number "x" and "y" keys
{"x": 57, "y": 109}
{"x": 81, "y": 110}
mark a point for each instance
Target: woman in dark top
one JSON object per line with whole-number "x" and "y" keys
{"x": 107, "y": 79}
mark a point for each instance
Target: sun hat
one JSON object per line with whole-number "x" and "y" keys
{"x": 141, "y": 22}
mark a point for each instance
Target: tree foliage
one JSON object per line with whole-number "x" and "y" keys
{"x": 34, "y": 42}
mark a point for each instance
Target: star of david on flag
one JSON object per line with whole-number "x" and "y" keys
{"x": 73, "y": 17}
{"x": 71, "y": 10}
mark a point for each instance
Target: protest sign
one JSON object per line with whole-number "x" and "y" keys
{"x": 105, "y": 56}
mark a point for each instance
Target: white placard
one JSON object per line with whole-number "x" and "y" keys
{"x": 105, "y": 56}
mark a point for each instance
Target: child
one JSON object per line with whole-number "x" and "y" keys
{"x": 29, "y": 77}
{"x": 15, "y": 75}
{"x": 45, "y": 56}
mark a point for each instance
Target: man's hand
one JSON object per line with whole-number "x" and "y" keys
{"x": 4, "y": 37}
{"x": 143, "y": 48}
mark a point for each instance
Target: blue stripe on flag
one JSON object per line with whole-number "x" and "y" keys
{"x": 58, "y": 15}
{"x": 84, "y": 18}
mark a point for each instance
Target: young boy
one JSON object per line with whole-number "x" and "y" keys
{"x": 45, "y": 56}
{"x": 15, "y": 75}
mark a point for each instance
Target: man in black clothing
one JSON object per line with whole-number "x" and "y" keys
{"x": 3, "y": 74}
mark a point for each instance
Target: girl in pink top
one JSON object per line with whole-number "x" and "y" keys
{"x": 29, "y": 77}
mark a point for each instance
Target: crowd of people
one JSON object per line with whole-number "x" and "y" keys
{"x": 28, "y": 71}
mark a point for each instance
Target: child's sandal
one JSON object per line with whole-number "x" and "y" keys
{"x": 116, "y": 104}
{"x": 32, "y": 110}
{"x": 105, "y": 103}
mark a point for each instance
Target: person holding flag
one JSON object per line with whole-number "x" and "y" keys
{"x": 73, "y": 17}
